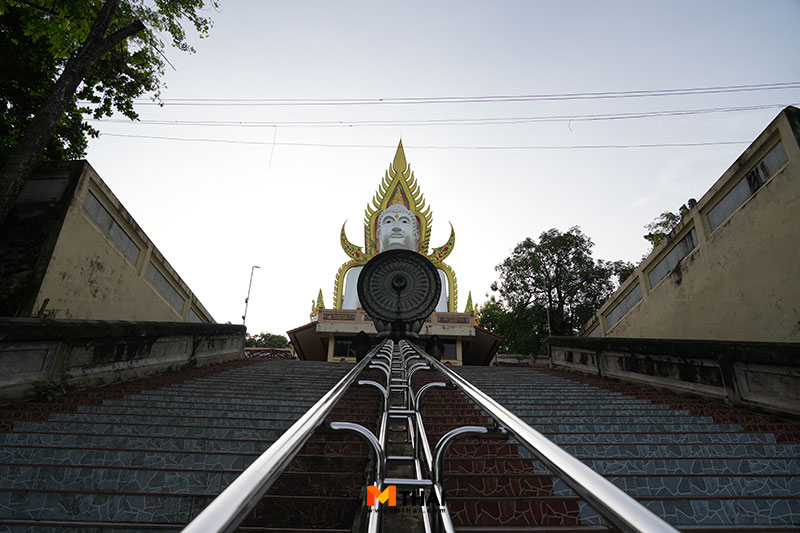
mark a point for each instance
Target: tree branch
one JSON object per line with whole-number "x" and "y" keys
{"x": 37, "y": 7}
{"x": 120, "y": 35}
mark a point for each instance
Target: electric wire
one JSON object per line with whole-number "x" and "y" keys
{"x": 432, "y": 147}
{"x": 444, "y": 121}
{"x": 469, "y": 99}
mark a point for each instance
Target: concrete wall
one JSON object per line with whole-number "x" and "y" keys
{"x": 89, "y": 354}
{"x": 759, "y": 376}
{"x": 740, "y": 281}
{"x": 109, "y": 269}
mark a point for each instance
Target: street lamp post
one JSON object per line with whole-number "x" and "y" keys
{"x": 247, "y": 300}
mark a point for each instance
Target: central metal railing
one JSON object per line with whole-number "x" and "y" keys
{"x": 399, "y": 362}
{"x": 606, "y": 498}
{"x": 232, "y": 506}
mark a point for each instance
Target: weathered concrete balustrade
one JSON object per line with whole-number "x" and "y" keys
{"x": 90, "y": 353}
{"x": 763, "y": 376}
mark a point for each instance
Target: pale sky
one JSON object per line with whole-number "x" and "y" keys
{"x": 277, "y": 198}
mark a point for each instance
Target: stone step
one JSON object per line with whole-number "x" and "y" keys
{"x": 83, "y": 478}
{"x": 120, "y": 506}
{"x": 219, "y": 432}
{"x": 152, "y": 443}
{"x": 733, "y": 486}
{"x": 298, "y": 510}
{"x": 127, "y": 457}
{"x": 697, "y": 512}
{"x": 615, "y": 428}
{"x": 186, "y": 411}
{"x": 56, "y": 526}
{"x": 520, "y": 511}
{"x": 512, "y": 485}
{"x": 172, "y": 421}
{"x": 688, "y": 466}
{"x": 612, "y": 466}
{"x": 168, "y": 481}
{"x": 202, "y": 398}
{"x": 661, "y": 438}
{"x": 683, "y": 450}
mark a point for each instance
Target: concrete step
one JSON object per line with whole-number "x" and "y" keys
{"x": 662, "y": 438}
{"x": 697, "y": 512}
{"x": 119, "y": 506}
{"x": 666, "y": 451}
{"x": 218, "y": 432}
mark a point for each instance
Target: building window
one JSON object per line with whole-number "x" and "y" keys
{"x": 596, "y": 332}
{"x": 450, "y": 353}
{"x": 758, "y": 175}
{"x": 194, "y": 318}
{"x": 44, "y": 187}
{"x": 343, "y": 347}
{"x": 624, "y": 306}
{"x": 164, "y": 287}
{"x": 671, "y": 260}
{"x": 110, "y": 227}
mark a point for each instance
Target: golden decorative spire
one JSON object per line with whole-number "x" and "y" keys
{"x": 320, "y": 303}
{"x": 469, "y": 308}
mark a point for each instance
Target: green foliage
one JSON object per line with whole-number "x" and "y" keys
{"x": 48, "y": 390}
{"x": 662, "y": 225}
{"x": 29, "y": 72}
{"x": 556, "y": 276}
{"x": 38, "y": 38}
{"x": 266, "y": 340}
{"x": 524, "y": 330}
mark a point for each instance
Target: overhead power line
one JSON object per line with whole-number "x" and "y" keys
{"x": 430, "y": 147}
{"x": 469, "y": 99}
{"x": 442, "y": 122}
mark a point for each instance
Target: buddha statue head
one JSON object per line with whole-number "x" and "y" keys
{"x": 397, "y": 229}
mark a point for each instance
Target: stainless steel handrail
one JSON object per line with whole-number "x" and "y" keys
{"x": 233, "y": 505}
{"x": 610, "y": 501}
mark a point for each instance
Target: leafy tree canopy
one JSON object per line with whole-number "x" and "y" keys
{"x": 62, "y": 62}
{"x": 524, "y": 330}
{"x": 664, "y": 223}
{"x": 28, "y": 73}
{"x": 556, "y": 277}
{"x": 266, "y": 340}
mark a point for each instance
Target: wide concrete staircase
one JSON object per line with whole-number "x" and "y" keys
{"x": 150, "y": 455}
{"x": 701, "y": 466}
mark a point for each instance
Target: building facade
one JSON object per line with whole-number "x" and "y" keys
{"x": 729, "y": 269}
{"x": 71, "y": 250}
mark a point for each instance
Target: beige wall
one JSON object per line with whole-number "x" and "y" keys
{"x": 742, "y": 280}
{"x": 89, "y": 277}
{"x": 458, "y": 361}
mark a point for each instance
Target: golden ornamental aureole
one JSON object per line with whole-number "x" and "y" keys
{"x": 399, "y": 186}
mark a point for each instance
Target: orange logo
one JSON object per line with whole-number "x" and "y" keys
{"x": 390, "y": 495}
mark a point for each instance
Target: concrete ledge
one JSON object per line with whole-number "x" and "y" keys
{"x": 92, "y": 353}
{"x": 763, "y": 376}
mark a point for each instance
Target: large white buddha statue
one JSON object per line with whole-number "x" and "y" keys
{"x": 397, "y": 229}
{"x": 397, "y": 218}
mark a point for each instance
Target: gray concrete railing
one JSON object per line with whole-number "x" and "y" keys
{"x": 91, "y": 353}
{"x": 762, "y": 376}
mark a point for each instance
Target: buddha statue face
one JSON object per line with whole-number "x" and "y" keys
{"x": 397, "y": 229}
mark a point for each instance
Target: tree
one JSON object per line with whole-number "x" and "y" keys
{"x": 28, "y": 71}
{"x": 555, "y": 285}
{"x": 266, "y": 340}
{"x": 664, "y": 223}
{"x": 524, "y": 330}
{"x": 57, "y": 54}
